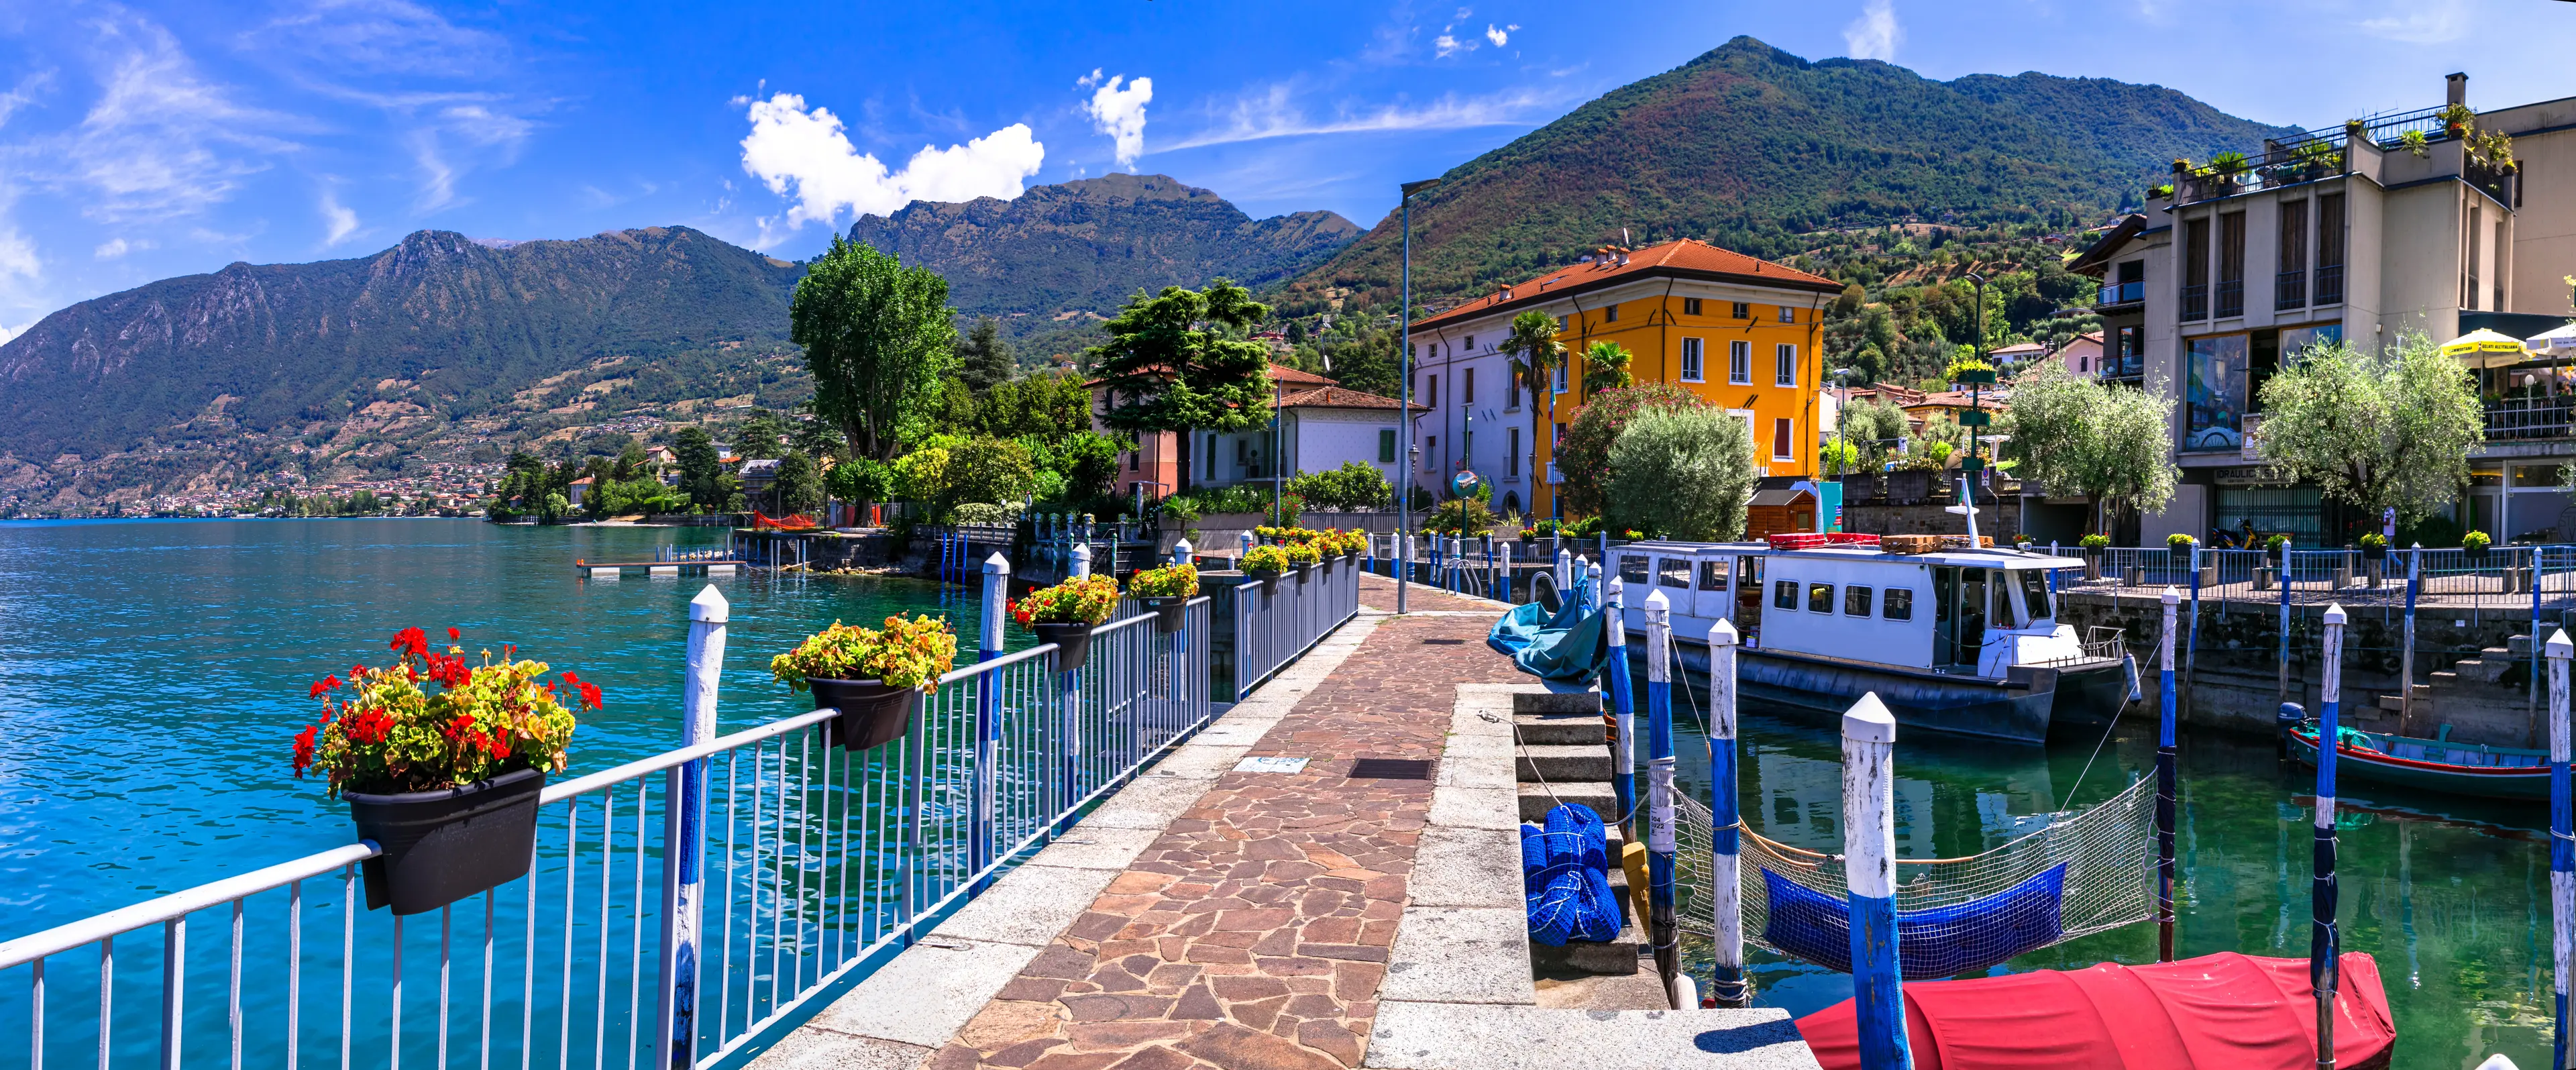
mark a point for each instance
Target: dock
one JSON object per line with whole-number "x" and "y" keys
{"x": 609, "y": 570}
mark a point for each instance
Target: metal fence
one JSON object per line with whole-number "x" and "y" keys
{"x": 800, "y": 868}
{"x": 2500, "y": 579}
{"x": 1274, "y": 621}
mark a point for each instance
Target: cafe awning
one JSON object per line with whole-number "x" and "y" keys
{"x": 2483, "y": 348}
{"x": 2556, "y": 341}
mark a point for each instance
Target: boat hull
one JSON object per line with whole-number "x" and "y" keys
{"x": 1962, "y": 705}
{"x": 2089, "y": 698}
{"x": 2491, "y": 783}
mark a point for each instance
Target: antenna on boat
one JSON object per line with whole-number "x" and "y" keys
{"x": 1967, "y": 507}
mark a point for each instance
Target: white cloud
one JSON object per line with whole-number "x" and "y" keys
{"x": 1501, "y": 36}
{"x": 18, "y": 256}
{"x": 161, "y": 141}
{"x": 1273, "y": 113}
{"x": 116, "y": 247}
{"x": 1445, "y": 46}
{"x": 338, "y": 220}
{"x": 791, "y": 146}
{"x": 8, "y": 332}
{"x": 2422, "y": 23}
{"x": 472, "y": 132}
{"x": 1875, "y": 34}
{"x": 1120, "y": 113}
{"x": 380, "y": 37}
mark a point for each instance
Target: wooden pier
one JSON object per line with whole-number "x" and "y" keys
{"x": 609, "y": 570}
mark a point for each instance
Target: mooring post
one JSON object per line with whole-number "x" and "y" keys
{"x": 2191, "y": 638}
{"x": 1565, "y": 573}
{"x": 1503, "y": 588}
{"x": 1869, "y": 881}
{"x": 981, "y": 845}
{"x": 2282, "y": 690}
{"x": 2322, "y": 939}
{"x": 1080, "y": 567}
{"x": 2562, "y": 855}
{"x": 1726, "y": 843}
{"x": 1242, "y": 547}
{"x": 1457, "y": 566}
{"x": 1620, "y": 731}
{"x": 2165, "y": 786}
{"x": 1183, "y": 553}
{"x": 2539, "y": 566}
{"x": 1592, "y": 570}
{"x": 683, "y": 825}
{"x": 1660, "y": 924}
{"x": 2406, "y": 655}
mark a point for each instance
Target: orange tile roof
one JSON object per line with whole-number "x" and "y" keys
{"x": 1340, "y": 397}
{"x": 1685, "y": 258}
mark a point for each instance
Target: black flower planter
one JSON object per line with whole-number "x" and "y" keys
{"x": 2374, "y": 553}
{"x": 2474, "y": 553}
{"x": 442, "y": 846}
{"x": 1072, "y": 642}
{"x": 2274, "y": 553}
{"x": 873, "y": 712}
{"x": 1169, "y": 611}
{"x": 1305, "y": 573}
{"x": 1327, "y": 564}
{"x": 2181, "y": 554}
{"x": 1269, "y": 581}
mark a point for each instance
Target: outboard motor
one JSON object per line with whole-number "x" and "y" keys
{"x": 2284, "y": 720}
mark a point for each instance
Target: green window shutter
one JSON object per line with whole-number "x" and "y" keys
{"x": 1386, "y": 446}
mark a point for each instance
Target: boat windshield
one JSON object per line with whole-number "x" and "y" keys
{"x": 2034, "y": 593}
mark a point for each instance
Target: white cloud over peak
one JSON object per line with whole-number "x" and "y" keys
{"x": 807, "y": 150}
{"x": 161, "y": 141}
{"x": 1875, "y": 34}
{"x": 2422, "y": 23}
{"x": 1500, "y": 36}
{"x": 1273, "y": 112}
{"x": 1120, "y": 113}
{"x": 338, "y": 220}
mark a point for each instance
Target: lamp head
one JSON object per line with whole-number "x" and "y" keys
{"x": 1411, "y": 188}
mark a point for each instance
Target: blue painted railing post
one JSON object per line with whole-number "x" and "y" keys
{"x": 1726, "y": 843}
{"x": 2282, "y": 689}
{"x": 684, "y": 824}
{"x": 2406, "y": 652}
{"x": 2323, "y": 943}
{"x": 1080, "y": 566}
{"x": 1660, "y": 923}
{"x": 1869, "y": 880}
{"x": 983, "y": 841}
{"x": 2165, "y": 785}
{"x": 1622, "y": 729}
{"x": 2562, "y": 853}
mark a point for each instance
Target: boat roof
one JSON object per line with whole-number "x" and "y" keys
{"x": 1982, "y": 557}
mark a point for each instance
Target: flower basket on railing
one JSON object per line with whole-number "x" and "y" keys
{"x": 1066, "y": 613}
{"x": 2374, "y": 547}
{"x": 2473, "y": 546}
{"x": 1266, "y": 563}
{"x": 2180, "y": 546}
{"x": 2276, "y": 547}
{"x": 875, "y": 677}
{"x": 445, "y": 783}
{"x": 1167, "y": 591}
{"x": 1305, "y": 557}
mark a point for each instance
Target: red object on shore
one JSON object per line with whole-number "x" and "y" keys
{"x": 2225, "y": 1010}
{"x": 796, "y": 521}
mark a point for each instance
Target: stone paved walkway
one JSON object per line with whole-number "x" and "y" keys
{"x": 1378, "y": 593}
{"x": 1254, "y": 932}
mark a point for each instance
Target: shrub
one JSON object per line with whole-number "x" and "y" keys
{"x": 1460, "y": 516}
{"x": 1685, "y": 474}
{"x": 1353, "y": 487}
{"x": 2178, "y": 540}
{"x": 2097, "y": 541}
{"x": 1583, "y": 459}
{"x": 388, "y": 735}
{"x": 1169, "y": 581}
{"x": 985, "y": 513}
{"x": 1080, "y": 600}
{"x": 1271, "y": 559}
{"x": 860, "y": 480}
{"x": 2474, "y": 540}
{"x": 921, "y": 477}
{"x": 2278, "y": 543}
{"x": 909, "y": 652}
{"x": 989, "y": 470}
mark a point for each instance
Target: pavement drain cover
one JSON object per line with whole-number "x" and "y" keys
{"x": 1271, "y": 764}
{"x": 1442, "y": 642}
{"x": 1390, "y": 769}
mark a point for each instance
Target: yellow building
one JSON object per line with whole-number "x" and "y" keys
{"x": 1743, "y": 333}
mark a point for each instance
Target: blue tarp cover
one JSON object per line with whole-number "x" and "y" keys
{"x": 1930, "y": 944}
{"x": 1569, "y": 647}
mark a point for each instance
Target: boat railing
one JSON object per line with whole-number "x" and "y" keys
{"x": 802, "y": 868}
{"x": 2099, "y": 644}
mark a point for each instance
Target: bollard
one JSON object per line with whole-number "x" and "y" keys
{"x": 1082, "y": 559}
{"x": 1726, "y": 843}
{"x": 988, "y": 716}
{"x": 683, "y": 885}
{"x": 1869, "y": 877}
{"x": 1660, "y": 926}
{"x": 1457, "y": 573}
{"x": 1503, "y": 585}
{"x": 2562, "y": 825}
{"x": 1183, "y": 553}
{"x": 1620, "y": 731}
{"x": 1592, "y": 571}
{"x": 2165, "y": 785}
{"x": 2322, "y": 938}
{"x": 1242, "y": 543}
{"x": 1564, "y": 571}
{"x": 2191, "y": 636}
{"x": 2406, "y": 657}
{"x": 2283, "y": 686}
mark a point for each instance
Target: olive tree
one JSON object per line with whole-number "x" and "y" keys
{"x": 1682, "y": 473}
{"x": 2390, "y": 430}
{"x": 2108, "y": 442}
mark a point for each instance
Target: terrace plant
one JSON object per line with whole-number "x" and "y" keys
{"x": 875, "y": 677}
{"x": 1066, "y": 613}
{"x": 1269, "y": 561}
{"x": 2095, "y": 543}
{"x": 1167, "y": 590}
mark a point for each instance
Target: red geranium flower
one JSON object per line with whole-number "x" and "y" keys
{"x": 452, "y": 635}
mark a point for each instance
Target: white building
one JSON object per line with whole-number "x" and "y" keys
{"x": 1321, "y": 425}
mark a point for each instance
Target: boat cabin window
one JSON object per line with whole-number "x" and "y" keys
{"x": 1784, "y": 594}
{"x": 1632, "y": 568}
{"x": 1820, "y": 598}
{"x": 1856, "y": 601}
{"x": 1712, "y": 574}
{"x": 2003, "y": 616}
{"x": 1748, "y": 572}
{"x": 1899, "y": 603}
{"x": 1673, "y": 572}
{"x": 2034, "y": 594}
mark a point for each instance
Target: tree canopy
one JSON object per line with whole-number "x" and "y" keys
{"x": 2391, "y": 430}
{"x": 1179, "y": 361}
{"x": 1682, "y": 473}
{"x": 983, "y": 358}
{"x": 1605, "y": 367}
{"x": 878, "y": 338}
{"x": 2079, "y": 435}
{"x": 1583, "y": 459}
{"x": 1536, "y": 355}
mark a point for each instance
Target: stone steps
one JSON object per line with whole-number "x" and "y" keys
{"x": 1560, "y": 729}
{"x": 1561, "y": 755}
{"x": 1568, "y": 763}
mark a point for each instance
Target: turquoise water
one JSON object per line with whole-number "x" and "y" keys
{"x": 2449, "y": 896}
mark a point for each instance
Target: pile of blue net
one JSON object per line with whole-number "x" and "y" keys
{"x": 1565, "y": 875}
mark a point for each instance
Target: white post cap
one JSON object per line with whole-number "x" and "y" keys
{"x": 1723, "y": 634}
{"x": 2173, "y": 597}
{"x": 2559, "y": 647}
{"x": 710, "y": 606}
{"x": 2335, "y": 615}
{"x": 1869, "y": 722}
{"x": 1657, "y": 605}
{"x": 1616, "y": 587}
{"x": 1183, "y": 551}
{"x": 997, "y": 564}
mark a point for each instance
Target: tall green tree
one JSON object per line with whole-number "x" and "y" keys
{"x": 1605, "y": 367}
{"x": 799, "y": 485}
{"x": 2390, "y": 430}
{"x": 984, "y": 358}
{"x": 1682, "y": 474}
{"x": 702, "y": 474}
{"x": 2079, "y": 435}
{"x": 1179, "y": 361}
{"x": 878, "y": 337}
{"x": 758, "y": 437}
{"x": 1584, "y": 457}
{"x": 1536, "y": 355}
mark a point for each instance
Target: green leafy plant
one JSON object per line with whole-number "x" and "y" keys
{"x": 2178, "y": 541}
{"x": 2474, "y": 540}
{"x": 1079, "y": 600}
{"x": 1169, "y": 581}
{"x": 1964, "y": 365}
{"x": 2277, "y": 543}
{"x": 1460, "y": 516}
{"x": 2096, "y": 541}
{"x": 2372, "y": 540}
{"x": 2227, "y": 164}
{"x": 1355, "y": 486}
{"x": 2412, "y": 141}
{"x": 1686, "y": 473}
{"x": 2162, "y": 191}
{"x": 909, "y": 652}
{"x": 1271, "y": 560}
{"x": 1303, "y": 553}
{"x": 381, "y": 733}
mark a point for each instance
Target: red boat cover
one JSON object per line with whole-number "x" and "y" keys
{"x": 2225, "y": 1010}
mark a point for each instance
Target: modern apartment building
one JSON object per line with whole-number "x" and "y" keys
{"x": 2360, "y": 232}
{"x": 1741, "y": 332}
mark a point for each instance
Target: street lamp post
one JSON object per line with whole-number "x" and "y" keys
{"x": 1278, "y": 467}
{"x": 1404, "y": 318}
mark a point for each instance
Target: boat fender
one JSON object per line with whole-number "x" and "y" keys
{"x": 2129, "y": 664}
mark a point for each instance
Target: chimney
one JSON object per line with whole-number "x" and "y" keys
{"x": 2457, "y": 91}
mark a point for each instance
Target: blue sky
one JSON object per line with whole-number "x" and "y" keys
{"x": 155, "y": 139}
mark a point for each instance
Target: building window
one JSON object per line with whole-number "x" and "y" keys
{"x": 1788, "y": 314}
{"x": 1431, "y": 392}
{"x": 1430, "y": 452}
{"x": 1467, "y": 388}
{"x": 1560, "y": 377}
{"x": 1784, "y": 594}
{"x": 1856, "y": 601}
{"x": 1132, "y": 459}
{"x": 2231, "y": 265}
{"x": 1609, "y": 313}
{"x": 1820, "y": 598}
{"x": 1784, "y": 360}
{"x": 1743, "y": 311}
{"x": 1691, "y": 360}
{"x": 1211, "y": 464}
{"x": 1739, "y": 362}
{"x": 1782, "y": 444}
{"x": 1564, "y": 323}
{"x": 1690, "y": 306}
{"x": 2214, "y": 393}
{"x": 1471, "y": 343}
{"x": 1512, "y": 452}
{"x": 1898, "y": 605}
{"x": 2195, "y": 269}
{"x": 1386, "y": 445}
{"x": 1558, "y": 437}
{"x": 2290, "y": 284}
{"x": 2329, "y": 282}
{"x": 1243, "y": 451}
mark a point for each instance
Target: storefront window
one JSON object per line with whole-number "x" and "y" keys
{"x": 2296, "y": 340}
{"x": 2293, "y": 511}
{"x": 2216, "y": 393}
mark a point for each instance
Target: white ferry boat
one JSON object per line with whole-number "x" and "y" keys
{"x": 1955, "y": 640}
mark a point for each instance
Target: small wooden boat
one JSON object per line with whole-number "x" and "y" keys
{"x": 2432, "y": 764}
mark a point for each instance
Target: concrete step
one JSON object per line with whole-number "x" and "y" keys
{"x": 1559, "y": 698}
{"x": 2485, "y": 670}
{"x": 1535, "y": 800}
{"x": 1548, "y": 729}
{"x": 2518, "y": 645}
{"x": 1562, "y": 764}
{"x": 1456, "y": 1036}
{"x": 1610, "y": 958}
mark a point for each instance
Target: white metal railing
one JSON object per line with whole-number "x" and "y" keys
{"x": 798, "y": 867}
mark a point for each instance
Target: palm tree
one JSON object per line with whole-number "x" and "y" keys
{"x": 1537, "y": 355}
{"x": 1605, "y": 367}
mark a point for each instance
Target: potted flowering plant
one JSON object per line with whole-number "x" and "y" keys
{"x": 1166, "y": 591}
{"x": 445, "y": 782}
{"x": 1265, "y": 563}
{"x": 2474, "y": 545}
{"x": 2093, "y": 545}
{"x": 1304, "y": 556}
{"x": 874, "y": 676}
{"x": 2180, "y": 546}
{"x": 2276, "y": 547}
{"x": 2374, "y": 546}
{"x": 1355, "y": 545}
{"x": 1066, "y": 613}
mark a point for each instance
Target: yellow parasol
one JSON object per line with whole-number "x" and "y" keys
{"x": 2483, "y": 348}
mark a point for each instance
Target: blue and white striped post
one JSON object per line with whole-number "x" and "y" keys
{"x": 1242, "y": 547}
{"x": 2322, "y": 938}
{"x": 2539, "y": 572}
{"x": 2191, "y": 645}
{"x": 1072, "y": 683}
{"x": 1457, "y": 566}
{"x": 2406, "y": 654}
{"x": 1661, "y": 926}
{"x": 2165, "y": 786}
{"x": 1565, "y": 574}
{"x": 1869, "y": 879}
{"x": 1592, "y": 571}
{"x": 1726, "y": 843}
{"x": 2282, "y": 689}
{"x": 2562, "y": 852}
{"x": 1621, "y": 730}
{"x": 684, "y": 884}
{"x": 981, "y": 842}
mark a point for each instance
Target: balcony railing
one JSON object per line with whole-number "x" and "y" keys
{"x": 2528, "y": 418}
{"x": 1553, "y": 476}
{"x": 2329, "y": 284}
{"x": 2195, "y": 302}
{"x": 2231, "y": 298}
{"x": 2290, "y": 290}
{"x": 2123, "y": 293}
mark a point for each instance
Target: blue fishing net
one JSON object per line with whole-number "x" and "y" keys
{"x": 1932, "y": 943}
{"x": 1566, "y": 879}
